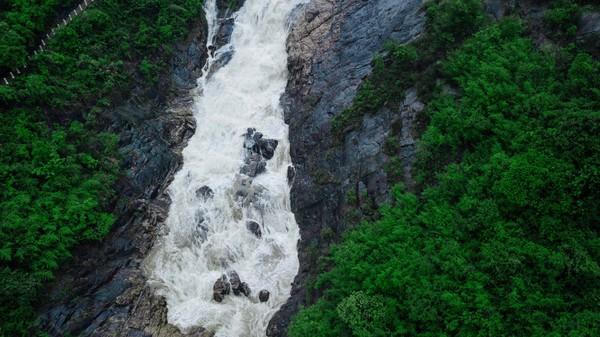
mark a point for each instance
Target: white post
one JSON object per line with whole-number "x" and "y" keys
{"x": 18, "y": 71}
{"x": 5, "y": 81}
{"x": 35, "y": 52}
{"x": 80, "y": 7}
{"x": 43, "y": 43}
{"x": 12, "y": 75}
{"x": 64, "y": 22}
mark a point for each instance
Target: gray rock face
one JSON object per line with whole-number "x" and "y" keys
{"x": 331, "y": 46}
{"x": 588, "y": 34}
{"x": 245, "y": 289}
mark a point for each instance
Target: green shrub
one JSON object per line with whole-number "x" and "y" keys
{"x": 449, "y": 22}
{"x": 561, "y": 19}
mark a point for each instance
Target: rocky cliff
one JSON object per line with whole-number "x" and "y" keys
{"x": 103, "y": 292}
{"x": 331, "y": 46}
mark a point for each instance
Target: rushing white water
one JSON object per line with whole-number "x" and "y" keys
{"x": 194, "y": 253}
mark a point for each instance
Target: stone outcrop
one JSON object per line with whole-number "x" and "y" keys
{"x": 588, "y": 35}
{"x": 330, "y": 47}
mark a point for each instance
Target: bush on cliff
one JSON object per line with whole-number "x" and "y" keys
{"x": 503, "y": 240}
{"x": 57, "y": 168}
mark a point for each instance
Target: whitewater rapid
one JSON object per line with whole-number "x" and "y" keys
{"x": 207, "y": 236}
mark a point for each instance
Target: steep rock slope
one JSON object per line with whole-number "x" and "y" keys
{"x": 331, "y": 47}
{"x": 102, "y": 292}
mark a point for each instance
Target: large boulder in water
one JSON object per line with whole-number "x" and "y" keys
{"x": 267, "y": 147}
{"x": 254, "y": 165}
{"x": 255, "y": 143}
{"x": 263, "y": 295}
{"x": 221, "y": 288}
{"x": 254, "y": 228}
{"x": 204, "y": 193}
{"x": 245, "y": 289}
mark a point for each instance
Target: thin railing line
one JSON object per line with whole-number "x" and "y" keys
{"x": 41, "y": 47}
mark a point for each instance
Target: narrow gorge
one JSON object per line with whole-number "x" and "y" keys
{"x": 292, "y": 168}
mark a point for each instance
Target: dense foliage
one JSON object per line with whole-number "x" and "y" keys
{"x": 56, "y": 168}
{"x": 503, "y": 240}
{"x": 21, "y": 23}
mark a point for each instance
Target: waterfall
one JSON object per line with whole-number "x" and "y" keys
{"x": 220, "y": 192}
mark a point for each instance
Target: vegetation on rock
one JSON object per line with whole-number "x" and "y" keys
{"x": 503, "y": 238}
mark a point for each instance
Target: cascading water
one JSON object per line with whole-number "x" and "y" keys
{"x": 222, "y": 189}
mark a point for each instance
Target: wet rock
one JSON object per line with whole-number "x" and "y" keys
{"x": 221, "y": 288}
{"x": 244, "y": 189}
{"x": 263, "y": 295}
{"x": 204, "y": 193}
{"x": 223, "y": 35}
{"x": 291, "y": 173}
{"x": 255, "y": 143}
{"x": 245, "y": 289}
{"x": 254, "y": 164}
{"x": 254, "y": 228}
{"x": 267, "y": 147}
{"x": 236, "y": 283}
{"x": 227, "y": 7}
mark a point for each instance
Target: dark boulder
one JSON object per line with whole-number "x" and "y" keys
{"x": 204, "y": 193}
{"x": 254, "y": 228}
{"x": 255, "y": 143}
{"x": 267, "y": 147}
{"x": 263, "y": 295}
{"x": 245, "y": 289}
{"x": 254, "y": 165}
{"x": 291, "y": 174}
{"x": 236, "y": 283}
{"x": 221, "y": 288}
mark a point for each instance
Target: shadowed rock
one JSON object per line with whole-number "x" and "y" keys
{"x": 254, "y": 228}
{"x": 204, "y": 193}
{"x": 254, "y": 164}
{"x": 263, "y": 295}
{"x": 245, "y": 289}
{"x": 291, "y": 173}
{"x": 221, "y": 288}
{"x": 236, "y": 283}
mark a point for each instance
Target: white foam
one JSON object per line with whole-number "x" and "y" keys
{"x": 186, "y": 261}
